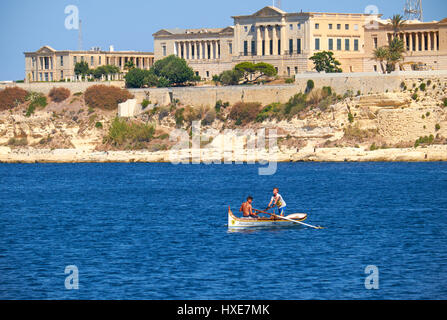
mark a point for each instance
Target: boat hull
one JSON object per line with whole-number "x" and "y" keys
{"x": 241, "y": 223}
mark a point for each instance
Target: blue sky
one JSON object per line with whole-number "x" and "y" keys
{"x": 26, "y": 25}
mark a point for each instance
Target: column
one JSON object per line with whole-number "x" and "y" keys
{"x": 258, "y": 41}
{"x": 200, "y": 52}
{"x": 436, "y": 41}
{"x": 416, "y": 41}
{"x": 284, "y": 41}
{"x": 275, "y": 41}
{"x": 410, "y": 41}
{"x": 267, "y": 40}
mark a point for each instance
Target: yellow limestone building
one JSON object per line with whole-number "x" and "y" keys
{"x": 285, "y": 40}
{"x": 48, "y": 64}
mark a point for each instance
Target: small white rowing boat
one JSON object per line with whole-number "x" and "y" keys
{"x": 235, "y": 222}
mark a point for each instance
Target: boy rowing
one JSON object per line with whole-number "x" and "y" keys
{"x": 278, "y": 202}
{"x": 247, "y": 209}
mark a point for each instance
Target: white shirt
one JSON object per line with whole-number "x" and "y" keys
{"x": 281, "y": 203}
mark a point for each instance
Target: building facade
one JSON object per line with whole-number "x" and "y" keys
{"x": 425, "y": 44}
{"x": 288, "y": 40}
{"x": 285, "y": 40}
{"x": 48, "y": 64}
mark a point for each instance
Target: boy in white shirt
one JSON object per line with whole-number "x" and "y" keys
{"x": 277, "y": 201}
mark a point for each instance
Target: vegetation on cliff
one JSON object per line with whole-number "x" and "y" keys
{"x": 106, "y": 97}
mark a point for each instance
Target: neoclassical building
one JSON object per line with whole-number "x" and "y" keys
{"x": 285, "y": 40}
{"x": 288, "y": 40}
{"x": 425, "y": 44}
{"x": 48, "y": 64}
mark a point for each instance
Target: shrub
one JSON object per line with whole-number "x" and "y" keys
{"x": 296, "y": 104}
{"x": 444, "y": 102}
{"x": 310, "y": 85}
{"x": 350, "y": 117}
{"x": 220, "y": 105}
{"x": 209, "y": 118}
{"x": 124, "y": 133}
{"x": 179, "y": 117}
{"x": 428, "y": 82}
{"x": 268, "y": 112}
{"x": 423, "y": 86}
{"x": 11, "y": 97}
{"x": 244, "y": 112}
{"x": 230, "y": 77}
{"x": 438, "y": 127}
{"x": 374, "y": 147}
{"x": 290, "y": 80}
{"x": 36, "y": 100}
{"x": 414, "y": 96}
{"x": 98, "y": 125}
{"x": 18, "y": 142}
{"x": 427, "y": 140}
{"x": 106, "y": 97}
{"x": 145, "y": 103}
{"x": 59, "y": 94}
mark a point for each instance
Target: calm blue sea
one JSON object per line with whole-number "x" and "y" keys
{"x": 158, "y": 231}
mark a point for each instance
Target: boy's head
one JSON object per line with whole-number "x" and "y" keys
{"x": 275, "y": 191}
{"x": 250, "y": 199}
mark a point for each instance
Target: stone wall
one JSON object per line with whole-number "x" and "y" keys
{"x": 45, "y": 87}
{"x": 265, "y": 94}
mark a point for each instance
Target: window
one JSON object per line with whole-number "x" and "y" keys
{"x": 347, "y": 42}
{"x": 62, "y": 61}
{"x": 33, "y": 60}
{"x": 230, "y": 47}
{"x": 291, "y": 46}
{"x": 338, "y": 26}
{"x": 271, "y": 47}
{"x": 245, "y": 28}
{"x": 46, "y": 76}
{"x": 331, "y": 44}
{"x": 40, "y": 76}
{"x": 356, "y": 27}
{"x": 330, "y": 26}
{"x": 317, "y": 26}
{"x": 346, "y": 26}
{"x": 100, "y": 60}
{"x": 51, "y": 76}
{"x": 375, "y": 68}
{"x": 263, "y": 47}
{"x": 62, "y": 75}
{"x": 291, "y": 27}
{"x": 163, "y": 48}
{"x": 339, "y": 44}
{"x": 375, "y": 42}
{"x": 245, "y": 48}
{"x": 82, "y": 59}
{"x": 317, "y": 43}
{"x": 288, "y": 71}
{"x": 299, "y": 26}
{"x": 253, "y": 48}
{"x": 298, "y": 46}
{"x": 207, "y": 74}
{"x": 279, "y": 47}
{"x": 356, "y": 44}
{"x": 296, "y": 70}
{"x": 75, "y": 60}
{"x": 252, "y": 29}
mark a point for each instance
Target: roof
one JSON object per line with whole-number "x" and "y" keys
{"x": 178, "y": 31}
{"x": 48, "y": 49}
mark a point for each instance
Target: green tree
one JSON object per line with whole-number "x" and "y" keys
{"x": 81, "y": 68}
{"x": 135, "y": 78}
{"x": 174, "y": 69}
{"x": 230, "y": 77}
{"x": 397, "y": 22}
{"x": 381, "y": 55}
{"x": 324, "y": 61}
{"x": 251, "y": 72}
{"x": 129, "y": 65}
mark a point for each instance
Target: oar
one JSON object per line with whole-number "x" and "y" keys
{"x": 291, "y": 220}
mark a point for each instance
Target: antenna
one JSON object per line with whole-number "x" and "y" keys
{"x": 413, "y": 10}
{"x": 80, "y": 36}
{"x": 277, "y": 4}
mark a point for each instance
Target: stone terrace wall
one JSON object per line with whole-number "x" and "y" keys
{"x": 45, "y": 87}
{"x": 208, "y": 96}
